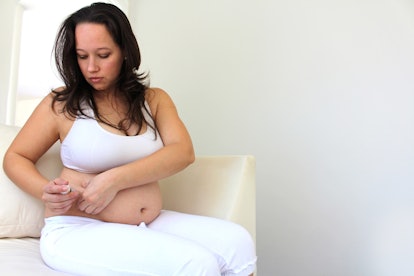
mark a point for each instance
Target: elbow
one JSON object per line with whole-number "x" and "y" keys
{"x": 6, "y": 162}
{"x": 181, "y": 156}
{"x": 190, "y": 157}
{"x": 9, "y": 164}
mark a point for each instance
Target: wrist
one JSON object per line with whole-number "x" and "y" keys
{"x": 115, "y": 179}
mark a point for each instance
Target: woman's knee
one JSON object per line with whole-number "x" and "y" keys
{"x": 240, "y": 256}
{"x": 199, "y": 262}
{"x": 243, "y": 240}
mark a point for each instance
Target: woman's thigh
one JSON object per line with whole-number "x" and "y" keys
{"x": 92, "y": 247}
{"x": 232, "y": 244}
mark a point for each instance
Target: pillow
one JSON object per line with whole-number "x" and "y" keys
{"x": 21, "y": 215}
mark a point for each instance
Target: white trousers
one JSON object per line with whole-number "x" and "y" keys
{"x": 173, "y": 244}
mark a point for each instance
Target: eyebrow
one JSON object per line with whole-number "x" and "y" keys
{"x": 101, "y": 48}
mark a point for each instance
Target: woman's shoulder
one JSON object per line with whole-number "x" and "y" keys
{"x": 155, "y": 94}
{"x": 157, "y": 97}
{"x": 51, "y": 102}
{"x": 46, "y": 103}
{"x": 45, "y": 116}
{"x": 55, "y": 108}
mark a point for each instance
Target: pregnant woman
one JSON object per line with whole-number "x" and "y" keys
{"x": 103, "y": 214}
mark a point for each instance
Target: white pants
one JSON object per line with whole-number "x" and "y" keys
{"x": 173, "y": 244}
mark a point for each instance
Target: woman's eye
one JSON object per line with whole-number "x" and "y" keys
{"x": 82, "y": 57}
{"x": 104, "y": 55}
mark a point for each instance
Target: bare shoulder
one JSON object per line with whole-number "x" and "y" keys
{"x": 49, "y": 106}
{"x": 45, "y": 107}
{"x": 158, "y": 98}
{"x": 40, "y": 131}
{"x": 52, "y": 112}
{"x": 156, "y": 94}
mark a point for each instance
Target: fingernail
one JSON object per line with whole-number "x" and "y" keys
{"x": 69, "y": 189}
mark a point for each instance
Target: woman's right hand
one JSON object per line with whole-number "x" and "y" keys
{"x": 56, "y": 202}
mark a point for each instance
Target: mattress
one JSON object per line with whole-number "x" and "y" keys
{"x": 22, "y": 257}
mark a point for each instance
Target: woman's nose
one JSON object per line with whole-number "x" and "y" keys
{"x": 92, "y": 66}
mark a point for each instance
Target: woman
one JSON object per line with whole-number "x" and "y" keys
{"x": 119, "y": 137}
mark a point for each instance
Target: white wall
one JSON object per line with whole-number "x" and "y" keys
{"x": 322, "y": 93}
{"x": 9, "y": 11}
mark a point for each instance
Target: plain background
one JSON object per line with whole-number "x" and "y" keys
{"x": 321, "y": 93}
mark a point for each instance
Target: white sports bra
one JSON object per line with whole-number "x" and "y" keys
{"x": 89, "y": 148}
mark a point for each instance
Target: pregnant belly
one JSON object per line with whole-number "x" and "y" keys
{"x": 130, "y": 206}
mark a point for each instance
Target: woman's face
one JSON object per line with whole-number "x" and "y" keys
{"x": 99, "y": 57}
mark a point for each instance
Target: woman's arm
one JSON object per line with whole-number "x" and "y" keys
{"x": 34, "y": 139}
{"x": 38, "y": 134}
{"x": 176, "y": 155}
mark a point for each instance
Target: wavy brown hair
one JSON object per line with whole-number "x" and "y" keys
{"x": 77, "y": 91}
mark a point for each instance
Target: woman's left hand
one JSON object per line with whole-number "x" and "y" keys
{"x": 98, "y": 193}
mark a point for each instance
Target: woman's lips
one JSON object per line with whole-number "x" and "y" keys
{"x": 95, "y": 79}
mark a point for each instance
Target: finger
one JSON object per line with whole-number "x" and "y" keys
{"x": 85, "y": 184}
{"x": 56, "y": 206}
{"x": 68, "y": 190}
{"x": 58, "y": 198}
{"x": 82, "y": 205}
{"x": 90, "y": 210}
{"x": 60, "y": 181}
{"x": 56, "y": 186}
{"x": 96, "y": 211}
{"x": 60, "y": 210}
{"x": 85, "y": 202}
{"x": 60, "y": 207}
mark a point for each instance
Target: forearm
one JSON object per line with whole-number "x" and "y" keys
{"x": 163, "y": 163}
{"x": 24, "y": 174}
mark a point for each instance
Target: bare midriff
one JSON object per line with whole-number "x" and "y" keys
{"x": 130, "y": 206}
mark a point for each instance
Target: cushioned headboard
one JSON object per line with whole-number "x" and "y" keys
{"x": 217, "y": 186}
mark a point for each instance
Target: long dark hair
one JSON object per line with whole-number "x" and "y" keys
{"x": 131, "y": 84}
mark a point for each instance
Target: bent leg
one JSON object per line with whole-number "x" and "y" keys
{"x": 84, "y": 246}
{"x": 231, "y": 243}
